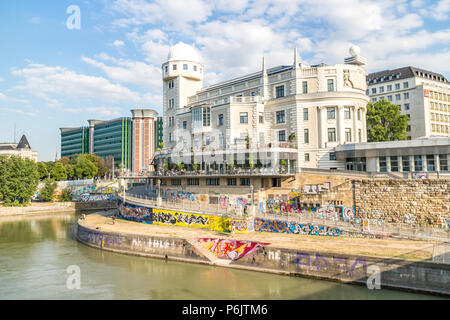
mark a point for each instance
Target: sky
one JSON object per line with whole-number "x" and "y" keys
{"x": 56, "y": 73}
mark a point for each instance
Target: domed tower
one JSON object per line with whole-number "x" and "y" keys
{"x": 182, "y": 77}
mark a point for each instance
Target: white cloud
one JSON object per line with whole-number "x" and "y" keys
{"x": 118, "y": 43}
{"x": 2, "y": 96}
{"x": 440, "y": 11}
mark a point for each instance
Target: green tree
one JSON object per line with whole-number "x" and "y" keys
{"x": 48, "y": 191}
{"x": 59, "y": 172}
{"x": 19, "y": 179}
{"x": 84, "y": 167}
{"x": 70, "y": 171}
{"x": 42, "y": 170}
{"x": 103, "y": 169}
{"x": 385, "y": 122}
{"x": 65, "y": 195}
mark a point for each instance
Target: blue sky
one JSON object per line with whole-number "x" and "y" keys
{"x": 52, "y": 77}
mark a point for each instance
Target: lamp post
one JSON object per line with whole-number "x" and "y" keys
{"x": 159, "y": 192}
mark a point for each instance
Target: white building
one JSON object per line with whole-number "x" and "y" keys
{"x": 422, "y": 95}
{"x": 21, "y": 149}
{"x": 294, "y": 114}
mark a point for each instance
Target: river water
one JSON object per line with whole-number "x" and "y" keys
{"x": 35, "y": 253}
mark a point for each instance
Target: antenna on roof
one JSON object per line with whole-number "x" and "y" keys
{"x": 14, "y": 132}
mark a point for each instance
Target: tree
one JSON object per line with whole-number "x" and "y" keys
{"x": 19, "y": 179}
{"x": 65, "y": 195}
{"x": 42, "y": 170}
{"x": 103, "y": 169}
{"x": 59, "y": 172}
{"x": 385, "y": 122}
{"x": 48, "y": 190}
{"x": 84, "y": 167}
{"x": 70, "y": 171}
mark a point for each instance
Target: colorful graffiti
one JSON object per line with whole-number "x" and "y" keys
{"x": 276, "y": 226}
{"x": 94, "y": 197}
{"x": 239, "y": 226}
{"x": 316, "y": 188}
{"x": 230, "y": 249}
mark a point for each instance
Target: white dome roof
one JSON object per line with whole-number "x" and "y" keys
{"x": 354, "y": 50}
{"x": 183, "y": 51}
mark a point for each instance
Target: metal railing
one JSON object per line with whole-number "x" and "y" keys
{"x": 401, "y": 230}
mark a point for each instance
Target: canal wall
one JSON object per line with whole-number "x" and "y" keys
{"x": 57, "y": 207}
{"x": 420, "y": 276}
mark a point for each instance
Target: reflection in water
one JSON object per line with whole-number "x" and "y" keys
{"x": 35, "y": 253}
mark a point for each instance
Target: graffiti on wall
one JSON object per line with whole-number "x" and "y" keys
{"x": 98, "y": 238}
{"x": 276, "y": 226}
{"x": 239, "y": 225}
{"x": 346, "y": 266}
{"x": 94, "y": 197}
{"x": 316, "y": 188}
{"x": 230, "y": 249}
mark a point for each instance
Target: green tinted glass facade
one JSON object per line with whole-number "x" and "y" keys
{"x": 159, "y": 132}
{"x": 113, "y": 138}
{"x": 74, "y": 142}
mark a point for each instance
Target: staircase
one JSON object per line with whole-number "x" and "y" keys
{"x": 208, "y": 254}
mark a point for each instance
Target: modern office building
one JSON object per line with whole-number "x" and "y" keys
{"x": 422, "y": 95}
{"x": 131, "y": 141}
{"x": 21, "y": 149}
{"x": 295, "y": 114}
{"x": 159, "y": 132}
{"x": 74, "y": 141}
{"x": 416, "y": 156}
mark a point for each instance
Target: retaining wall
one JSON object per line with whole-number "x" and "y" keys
{"x": 426, "y": 277}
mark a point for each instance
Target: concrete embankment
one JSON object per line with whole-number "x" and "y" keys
{"x": 56, "y": 207}
{"x": 263, "y": 252}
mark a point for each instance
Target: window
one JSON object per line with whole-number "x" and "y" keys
{"x": 332, "y": 156}
{"x": 305, "y": 114}
{"x": 279, "y": 91}
{"x": 306, "y": 136}
{"x": 231, "y": 181}
{"x": 408, "y": 128}
{"x": 281, "y": 135}
{"x": 406, "y": 95}
{"x": 206, "y": 116}
{"x": 381, "y": 89}
{"x": 374, "y": 90}
{"x": 331, "y": 113}
{"x": 405, "y": 85}
{"x": 167, "y": 69}
{"x": 276, "y": 182}
{"x": 280, "y": 116}
{"x": 171, "y": 84}
{"x": 397, "y": 86}
{"x": 383, "y": 166}
{"x": 443, "y": 162}
{"x": 213, "y": 182}
{"x": 367, "y": 92}
{"x": 430, "y": 162}
{"x": 359, "y": 135}
{"x": 389, "y": 98}
{"x": 261, "y": 117}
{"x": 185, "y": 66}
{"x": 220, "y": 120}
{"x": 348, "y": 135}
{"x": 389, "y": 87}
{"x": 374, "y": 99}
{"x": 174, "y": 67}
{"x": 306, "y": 157}
{"x": 330, "y": 85}
{"x": 176, "y": 182}
{"x": 221, "y": 140}
{"x": 418, "y": 163}
{"x": 331, "y": 134}
{"x": 394, "y": 163}
{"x": 185, "y": 125}
{"x": 405, "y": 164}
{"x": 195, "y": 68}
{"x": 406, "y": 106}
{"x": 397, "y": 97}
{"x": 245, "y": 181}
{"x": 347, "y": 114}
{"x": 359, "y": 114}
{"x": 244, "y": 117}
{"x": 193, "y": 182}
{"x": 305, "y": 87}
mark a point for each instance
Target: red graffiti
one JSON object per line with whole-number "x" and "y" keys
{"x": 230, "y": 249}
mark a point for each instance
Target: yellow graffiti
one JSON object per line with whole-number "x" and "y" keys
{"x": 186, "y": 219}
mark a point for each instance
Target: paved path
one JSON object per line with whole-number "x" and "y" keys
{"x": 407, "y": 249}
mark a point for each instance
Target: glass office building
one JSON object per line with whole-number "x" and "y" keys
{"x": 74, "y": 141}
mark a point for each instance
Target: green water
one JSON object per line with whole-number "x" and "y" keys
{"x": 35, "y": 253}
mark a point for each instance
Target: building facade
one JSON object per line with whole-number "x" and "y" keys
{"x": 21, "y": 149}
{"x": 422, "y": 95}
{"x": 74, "y": 141}
{"x": 130, "y": 141}
{"x": 428, "y": 155}
{"x": 293, "y": 115}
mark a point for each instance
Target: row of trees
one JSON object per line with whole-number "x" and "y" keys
{"x": 82, "y": 166}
